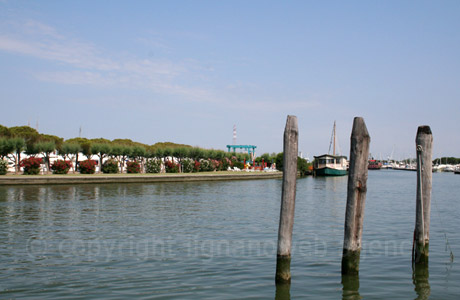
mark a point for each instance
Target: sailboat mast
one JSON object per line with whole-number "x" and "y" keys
{"x": 334, "y": 139}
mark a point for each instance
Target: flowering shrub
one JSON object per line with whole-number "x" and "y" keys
{"x": 3, "y": 167}
{"x": 61, "y": 166}
{"x": 133, "y": 167}
{"x": 153, "y": 166}
{"x": 206, "y": 165}
{"x": 88, "y": 166}
{"x": 188, "y": 165}
{"x": 31, "y": 165}
{"x": 110, "y": 166}
{"x": 225, "y": 163}
{"x": 171, "y": 167}
{"x": 215, "y": 164}
{"x": 197, "y": 166}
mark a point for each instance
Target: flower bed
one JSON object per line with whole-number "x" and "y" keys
{"x": 31, "y": 165}
{"x": 87, "y": 166}
{"x": 61, "y": 166}
{"x": 110, "y": 167}
{"x": 153, "y": 166}
{"x": 171, "y": 167}
{"x": 133, "y": 167}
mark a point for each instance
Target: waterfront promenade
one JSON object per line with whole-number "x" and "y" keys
{"x": 134, "y": 178}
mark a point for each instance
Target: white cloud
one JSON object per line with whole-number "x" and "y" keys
{"x": 89, "y": 65}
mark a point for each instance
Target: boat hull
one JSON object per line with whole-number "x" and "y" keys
{"x": 330, "y": 172}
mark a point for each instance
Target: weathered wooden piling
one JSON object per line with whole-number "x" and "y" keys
{"x": 290, "y": 148}
{"x": 350, "y": 287}
{"x": 424, "y": 146}
{"x": 356, "y": 196}
{"x": 420, "y": 276}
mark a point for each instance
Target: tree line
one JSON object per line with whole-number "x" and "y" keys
{"x": 14, "y": 141}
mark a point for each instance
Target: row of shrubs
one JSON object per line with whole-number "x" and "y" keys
{"x": 31, "y": 166}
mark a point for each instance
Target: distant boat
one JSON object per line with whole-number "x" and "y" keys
{"x": 374, "y": 165}
{"x": 457, "y": 170}
{"x": 330, "y": 165}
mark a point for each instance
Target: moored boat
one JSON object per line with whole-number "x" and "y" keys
{"x": 330, "y": 165}
{"x": 374, "y": 165}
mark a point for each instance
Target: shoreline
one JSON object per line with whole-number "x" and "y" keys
{"x": 133, "y": 178}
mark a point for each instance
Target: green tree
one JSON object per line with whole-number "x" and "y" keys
{"x": 125, "y": 152}
{"x": 4, "y": 131}
{"x": 101, "y": 150}
{"x": 81, "y": 141}
{"x": 279, "y": 161}
{"x": 69, "y": 149}
{"x": 303, "y": 167}
{"x": 18, "y": 144}
{"x": 6, "y": 147}
{"x": 180, "y": 153}
{"x": 46, "y": 147}
{"x": 138, "y": 153}
{"x": 30, "y": 135}
{"x": 86, "y": 149}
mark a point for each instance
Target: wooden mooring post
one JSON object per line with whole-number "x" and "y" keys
{"x": 424, "y": 146}
{"x": 290, "y": 148}
{"x": 356, "y": 197}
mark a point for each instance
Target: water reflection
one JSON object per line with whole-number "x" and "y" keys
{"x": 350, "y": 290}
{"x": 283, "y": 291}
{"x": 420, "y": 276}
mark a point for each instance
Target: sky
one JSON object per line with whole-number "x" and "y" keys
{"x": 188, "y": 71}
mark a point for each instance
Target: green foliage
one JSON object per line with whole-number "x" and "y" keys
{"x": 28, "y": 133}
{"x": 237, "y": 163}
{"x": 196, "y": 153}
{"x": 153, "y": 165}
{"x": 138, "y": 152}
{"x": 180, "y": 152}
{"x": 159, "y": 153}
{"x": 86, "y": 149}
{"x": 169, "y": 145}
{"x": 303, "y": 167}
{"x": 206, "y": 165}
{"x": 188, "y": 165}
{"x": 3, "y": 167}
{"x": 4, "y": 131}
{"x": 6, "y": 147}
{"x": 167, "y": 152}
{"x": 110, "y": 166}
{"x": 100, "y": 148}
{"x": 447, "y": 160}
{"x": 225, "y": 164}
{"x": 279, "y": 161}
{"x": 69, "y": 148}
{"x": 52, "y": 139}
{"x": 61, "y": 166}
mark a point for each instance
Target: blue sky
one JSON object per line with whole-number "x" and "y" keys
{"x": 187, "y": 71}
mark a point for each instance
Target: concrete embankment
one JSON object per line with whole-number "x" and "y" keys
{"x": 133, "y": 178}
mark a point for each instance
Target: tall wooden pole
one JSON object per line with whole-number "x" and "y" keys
{"x": 356, "y": 196}
{"x": 424, "y": 146}
{"x": 290, "y": 149}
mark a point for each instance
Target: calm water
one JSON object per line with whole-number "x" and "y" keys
{"x": 218, "y": 240}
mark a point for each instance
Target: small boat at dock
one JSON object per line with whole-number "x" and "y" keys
{"x": 330, "y": 165}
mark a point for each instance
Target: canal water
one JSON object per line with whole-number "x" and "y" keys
{"x": 217, "y": 240}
